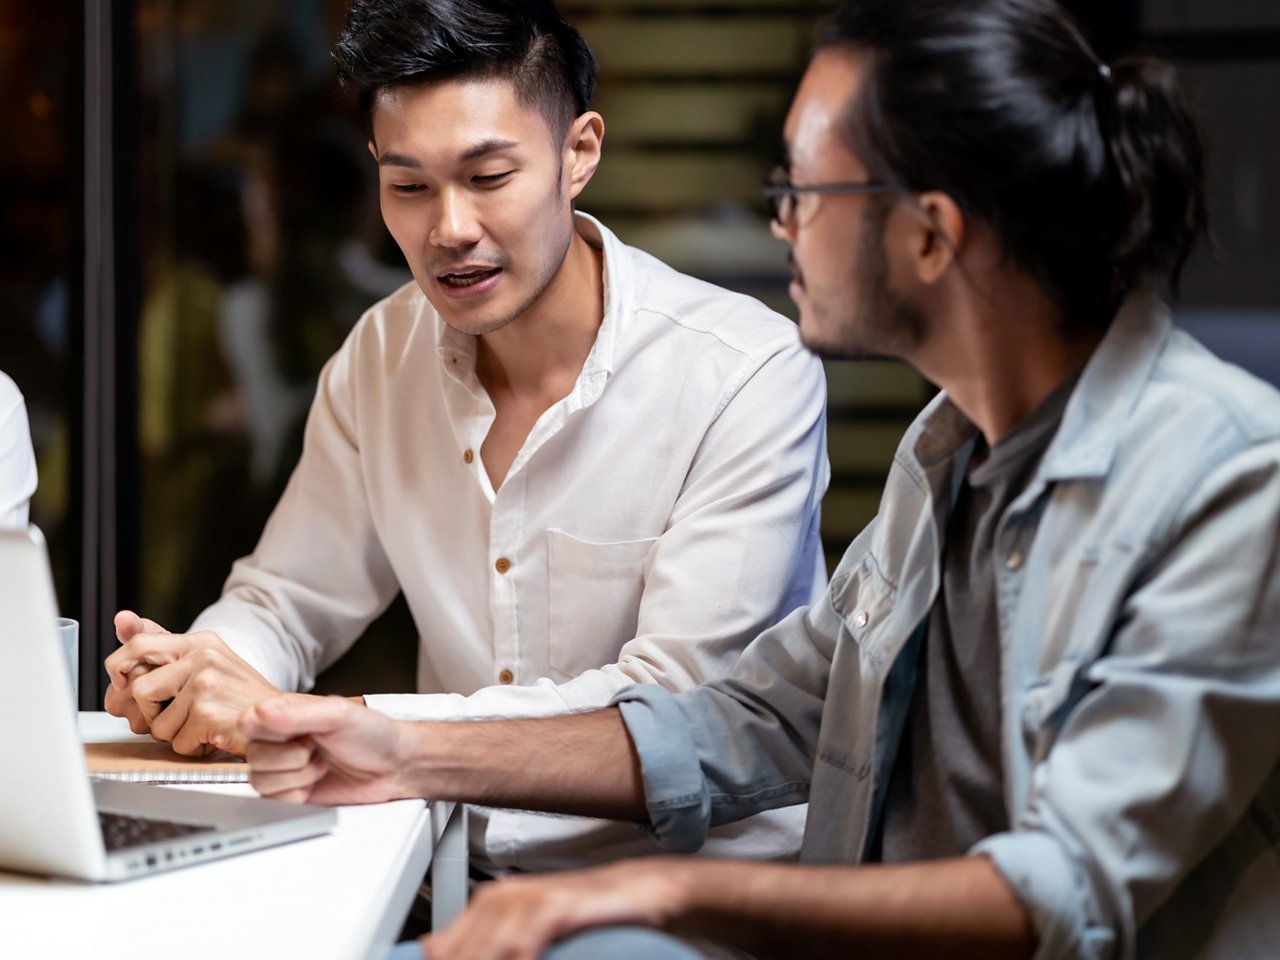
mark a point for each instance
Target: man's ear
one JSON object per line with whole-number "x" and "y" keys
{"x": 937, "y": 236}
{"x": 582, "y": 147}
{"x": 373, "y": 149}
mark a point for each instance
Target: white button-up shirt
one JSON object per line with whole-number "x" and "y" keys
{"x": 655, "y": 520}
{"x": 17, "y": 460}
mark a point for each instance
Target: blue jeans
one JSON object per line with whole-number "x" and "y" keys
{"x": 606, "y": 943}
{"x": 624, "y": 943}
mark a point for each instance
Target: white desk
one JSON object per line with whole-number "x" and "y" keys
{"x": 341, "y": 896}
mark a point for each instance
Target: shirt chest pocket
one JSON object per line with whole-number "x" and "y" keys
{"x": 594, "y": 597}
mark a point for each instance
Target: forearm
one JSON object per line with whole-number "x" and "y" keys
{"x": 949, "y": 908}
{"x": 582, "y": 764}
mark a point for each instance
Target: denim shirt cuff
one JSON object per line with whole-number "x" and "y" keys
{"x": 1055, "y": 892}
{"x": 675, "y": 791}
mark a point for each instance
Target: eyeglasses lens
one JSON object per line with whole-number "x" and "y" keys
{"x": 781, "y": 206}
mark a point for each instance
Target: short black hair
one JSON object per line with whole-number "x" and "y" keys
{"x": 1090, "y": 175}
{"x": 395, "y": 43}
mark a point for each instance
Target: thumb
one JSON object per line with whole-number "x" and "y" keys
{"x": 294, "y": 715}
{"x": 128, "y": 625}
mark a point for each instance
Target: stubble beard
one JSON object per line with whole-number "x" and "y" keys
{"x": 883, "y": 324}
{"x": 547, "y": 271}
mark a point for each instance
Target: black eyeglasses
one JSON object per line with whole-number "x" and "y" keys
{"x": 784, "y": 196}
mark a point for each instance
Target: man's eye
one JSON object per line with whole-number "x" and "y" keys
{"x": 408, "y": 187}
{"x": 492, "y": 179}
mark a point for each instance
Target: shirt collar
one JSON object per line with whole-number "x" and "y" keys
{"x": 1094, "y": 420}
{"x": 619, "y": 292}
{"x": 1113, "y": 380}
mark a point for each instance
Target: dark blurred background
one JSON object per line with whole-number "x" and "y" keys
{"x": 190, "y": 228}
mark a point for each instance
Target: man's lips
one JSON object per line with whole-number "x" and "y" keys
{"x": 467, "y": 276}
{"x": 464, "y": 283}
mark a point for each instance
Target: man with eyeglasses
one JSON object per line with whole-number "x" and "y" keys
{"x": 1035, "y": 714}
{"x": 582, "y": 468}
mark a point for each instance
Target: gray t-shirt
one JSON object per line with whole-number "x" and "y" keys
{"x": 947, "y": 788}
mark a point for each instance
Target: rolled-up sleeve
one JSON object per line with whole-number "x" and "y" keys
{"x": 676, "y": 793}
{"x": 741, "y": 745}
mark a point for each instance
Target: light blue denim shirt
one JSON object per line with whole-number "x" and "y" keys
{"x": 1139, "y": 600}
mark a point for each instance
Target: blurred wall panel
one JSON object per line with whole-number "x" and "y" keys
{"x": 1229, "y": 54}
{"x": 1167, "y": 15}
{"x": 41, "y": 231}
{"x": 1240, "y": 114}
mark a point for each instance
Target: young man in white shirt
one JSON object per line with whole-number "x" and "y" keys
{"x": 583, "y": 469}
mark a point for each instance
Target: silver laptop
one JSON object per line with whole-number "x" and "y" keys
{"x": 53, "y": 818}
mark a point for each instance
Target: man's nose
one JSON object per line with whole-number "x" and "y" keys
{"x": 455, "y": 223}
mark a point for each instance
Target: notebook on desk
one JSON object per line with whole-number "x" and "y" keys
{"x": 143, "y": 760}
{"x": 53, "y": 818}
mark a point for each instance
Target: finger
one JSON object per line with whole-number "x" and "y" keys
{"x": 208, "y": 687}
{"x": 116, "y": 702}
{"x": 294, "y": 715}
{"x": 120, "y": 703}
{"x": 128, "y": 624}
{"x": 295, "y": 785}
{"x": 194, "y": 736}
{"x": 145, "y": 649}
{"x": 137, "y": 722}
{"x": 275, "y": 757}
{"x": 187, "y": 733}
{"x": 225, "y": 735}
{"x": 118, "y": 677}
{"x": 165, "y": 725}
{"x": 149, "y": 649}
{"x": 154, "y": 690}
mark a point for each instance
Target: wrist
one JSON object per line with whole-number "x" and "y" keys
{"x": 417, "y": 754}
{"x": 673, "y": 885}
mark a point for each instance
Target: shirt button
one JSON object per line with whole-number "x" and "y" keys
{"x": 468, "y": 457}
{"x": 1014, "y": 560}
{"x": 861, "y": 619}
{"x": 503, "y": 565}
{"x": 506, "y": 676}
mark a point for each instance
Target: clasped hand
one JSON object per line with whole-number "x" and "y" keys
{"x": 188, "y": 689}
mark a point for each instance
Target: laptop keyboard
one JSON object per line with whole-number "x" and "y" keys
{"x": 121, "y": 830}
